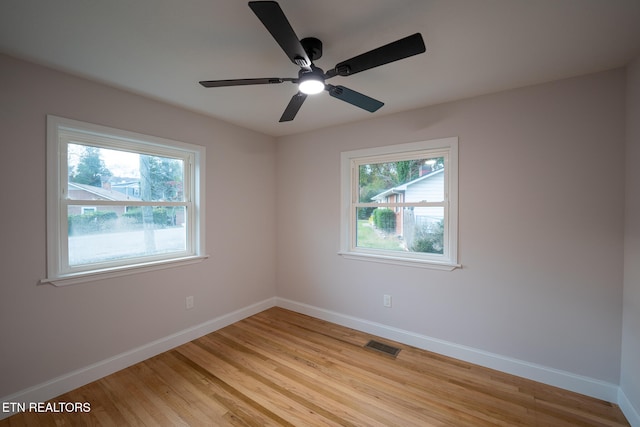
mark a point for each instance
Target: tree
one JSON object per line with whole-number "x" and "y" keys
{"x": 408, "y": 170}
{"x": 146, "y": 187}
{"x": 166, "y": 178}
{"x": 374, "y": 178}
{"x": 91, "y": 169}
{"x": 161, "y": 179}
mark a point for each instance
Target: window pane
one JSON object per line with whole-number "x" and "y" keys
{"x": 399, "y": 204}
{"x": 103, "y": 174}
{"x": 418, "y": 229}
{"x": 423, "y": 229}
{"x": 116, "y": 233}
{"x": 376, "y": 229}
{"x": 413, "y": 180}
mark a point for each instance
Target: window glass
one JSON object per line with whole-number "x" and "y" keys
{"x": 400, "y": 202}
{"x": 119, "y": 200}
{"x": 112, "y": 234}
{"x": 138, "y": 176}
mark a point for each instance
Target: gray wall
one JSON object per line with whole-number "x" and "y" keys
{"x": 542, "y": 240}
{"x": 630, "y": 376}
{"x": 541, "y": 199}
{"x": 49, "y": 331}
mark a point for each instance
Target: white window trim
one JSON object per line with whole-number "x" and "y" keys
{"x": 347, "y": 211}
{"x": 57, "y": 274}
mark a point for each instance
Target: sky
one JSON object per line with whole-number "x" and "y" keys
{"x": 120, "y": 163}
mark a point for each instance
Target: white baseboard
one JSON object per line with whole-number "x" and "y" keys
{"x": 566, "y": 380}
{"x": 562, "y": 379}
{"x": 72, "y": 380}
{"x": 628, "y": 410}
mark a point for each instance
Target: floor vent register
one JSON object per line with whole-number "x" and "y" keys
{"x": 383, "y": 348}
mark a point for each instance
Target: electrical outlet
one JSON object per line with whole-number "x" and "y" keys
{"x": 386, "y": 300}
{"x": 189, "y": 302}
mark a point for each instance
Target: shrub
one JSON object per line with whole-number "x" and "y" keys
{"x": 92, "y": 222}
{"x": 365, "y": 213}
{"x": 430, "y": 240}
{"x": 161, "y": 216}
{"x": 384, "y": 219}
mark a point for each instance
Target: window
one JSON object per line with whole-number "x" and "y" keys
{"x": 120, "y": 202}
{"x": 399, "y": 204}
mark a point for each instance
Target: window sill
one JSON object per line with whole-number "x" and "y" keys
{"x": 107, "y": 273}
{"x": 407, "y": 262}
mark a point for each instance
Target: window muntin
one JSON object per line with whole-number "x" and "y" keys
{"x": 119, "y": 200}
{"x": 400, "y": 203}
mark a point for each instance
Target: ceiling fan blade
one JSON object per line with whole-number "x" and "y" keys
{"x": 293, "y": 107}
{"x": 399, "y": 49}
{"x": 354, "y": 98}
{"x": 274, "y": 19}
{"x": 244, "y": 82}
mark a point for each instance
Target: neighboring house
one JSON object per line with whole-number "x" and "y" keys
{"x": 89, "y": 192}
{"x": 128, "y": 188}
{"x": 428, "y": 187}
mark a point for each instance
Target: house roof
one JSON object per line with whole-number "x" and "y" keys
{"x": 402, "y": 188}
{"x": 102, "y": 193}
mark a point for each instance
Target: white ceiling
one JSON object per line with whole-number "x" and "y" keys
{"x": 162, "y": 48}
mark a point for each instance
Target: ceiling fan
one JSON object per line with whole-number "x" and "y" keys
{"x": 311, "y": 79}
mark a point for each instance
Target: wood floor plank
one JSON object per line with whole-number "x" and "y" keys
{"x": 241, "y": 409}
{"x": 295, "y": 386}
{"x": 315, "y": 370}
{"x": 398, "y": 384}
{"x": 280, "y": 368}
{"x": 265, "y": 395}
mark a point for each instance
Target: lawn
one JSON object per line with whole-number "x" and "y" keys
{"x": 369, "y": 237}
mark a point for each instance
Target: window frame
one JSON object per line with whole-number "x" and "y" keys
{"x": 350, "y": 162}
{"x": 60, "y": 133}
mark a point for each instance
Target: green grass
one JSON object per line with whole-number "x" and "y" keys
{"x": 369, "y": 237}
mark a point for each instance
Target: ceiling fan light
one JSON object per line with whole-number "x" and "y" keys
{"x": 311, "y": 86}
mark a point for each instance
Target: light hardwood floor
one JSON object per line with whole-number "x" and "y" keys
{"x": 280, "y": 368}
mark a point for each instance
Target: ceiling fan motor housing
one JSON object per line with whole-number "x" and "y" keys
{"x": 314, "y": 73}
{"x": 313, "y": 47}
